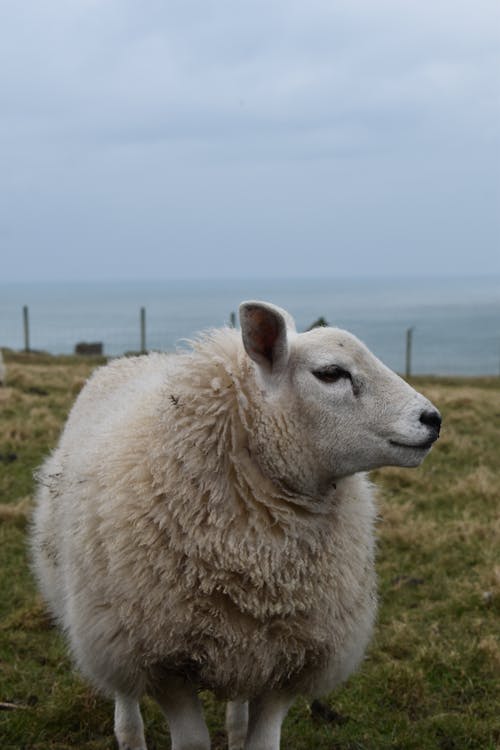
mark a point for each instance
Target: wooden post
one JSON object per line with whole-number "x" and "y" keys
{"x": 409, "y": 342}
{"x": 143, "y": 330}
{"x": 26, "y": 322}
{"x": 232, "y": 320}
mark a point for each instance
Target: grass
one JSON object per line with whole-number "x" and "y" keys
{"x": 431, "y": 679}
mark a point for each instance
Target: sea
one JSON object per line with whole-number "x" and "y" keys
{"x": 455, "y": 322}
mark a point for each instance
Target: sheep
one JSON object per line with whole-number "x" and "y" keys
{"x": 206, "y": 522}
{"x": 3, "y": 370}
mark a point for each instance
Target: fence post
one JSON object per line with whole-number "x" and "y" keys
{"x": 143, "y": 330}
{"x": 409, "y": 342}
{"x": 26, "y": 323}
{"x": 232, "y": 320}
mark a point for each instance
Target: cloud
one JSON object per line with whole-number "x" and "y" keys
{"x": 278, "y": 123}
{"x": 119, "y": 64}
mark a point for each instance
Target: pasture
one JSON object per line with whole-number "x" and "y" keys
{"x": 431, "y": 679}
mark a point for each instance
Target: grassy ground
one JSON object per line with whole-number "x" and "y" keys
{"x": 432, "y": 675}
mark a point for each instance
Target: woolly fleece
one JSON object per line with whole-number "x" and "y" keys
{"x": 162, "y": 546}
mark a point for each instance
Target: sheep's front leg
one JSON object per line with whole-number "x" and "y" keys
{"x": 236, "y": 724}
{"x": 129, "y": 729}
{"x": 265, "y": 717}
{"x": 180, "y": 703}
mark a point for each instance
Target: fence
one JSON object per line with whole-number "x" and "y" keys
{"x": 65, "y": 335}
{"x": 410, "y": 349}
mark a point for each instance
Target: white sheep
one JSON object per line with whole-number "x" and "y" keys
{"x": 203, "y": 522}
{"x": 3, "y": 370}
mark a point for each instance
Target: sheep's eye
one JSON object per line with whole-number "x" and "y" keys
{"x": 332, "y": 374}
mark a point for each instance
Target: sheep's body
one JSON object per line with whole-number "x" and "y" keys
{"x": 169, "y": 550}
{"x": 148, "y": 549}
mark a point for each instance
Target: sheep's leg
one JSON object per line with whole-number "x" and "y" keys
{"x": 265, "y": 717}
{"x": 180, "y": 703}
{"x": 236, "y": 724}
{"x": 129, "y": 729}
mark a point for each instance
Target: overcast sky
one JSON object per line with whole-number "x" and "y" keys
{"x": 157, "y": 139}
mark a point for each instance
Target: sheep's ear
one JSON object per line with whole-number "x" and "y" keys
{"x": 264, "y": 333}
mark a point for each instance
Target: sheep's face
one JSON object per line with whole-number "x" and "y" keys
{"x": 343, "y": 409}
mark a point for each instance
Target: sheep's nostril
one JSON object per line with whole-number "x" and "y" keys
{"x": 431, "y": 419}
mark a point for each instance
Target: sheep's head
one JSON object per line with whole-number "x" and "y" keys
{"x": 329, "y": 407}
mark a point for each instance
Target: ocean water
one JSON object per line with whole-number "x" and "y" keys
{"x": 456, "y": 321}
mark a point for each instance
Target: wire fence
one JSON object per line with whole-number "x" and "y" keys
{"x": 434, "y": 348}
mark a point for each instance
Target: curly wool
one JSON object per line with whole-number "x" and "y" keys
{"x": 163, "y": 545}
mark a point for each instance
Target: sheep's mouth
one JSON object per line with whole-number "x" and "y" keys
{"x": 414, "y": 446}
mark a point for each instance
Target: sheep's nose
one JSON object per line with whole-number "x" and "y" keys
{"x": 432, "y": 419}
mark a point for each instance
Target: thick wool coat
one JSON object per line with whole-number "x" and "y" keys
{"x": 162, "y": 544}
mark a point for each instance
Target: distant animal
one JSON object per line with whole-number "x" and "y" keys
{"x": 204, "y": 522}
{"x": 89, "y": 349}
{"x": 3, "y": 370}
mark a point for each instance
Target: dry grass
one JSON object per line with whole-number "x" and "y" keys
{"x": 431, "y": 679}
{"x": 19, "y": 511}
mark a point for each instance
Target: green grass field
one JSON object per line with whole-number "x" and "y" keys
{"x": 431, "y": 678}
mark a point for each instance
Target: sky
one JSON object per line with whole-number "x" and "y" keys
{"x": 267, "y": 138}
